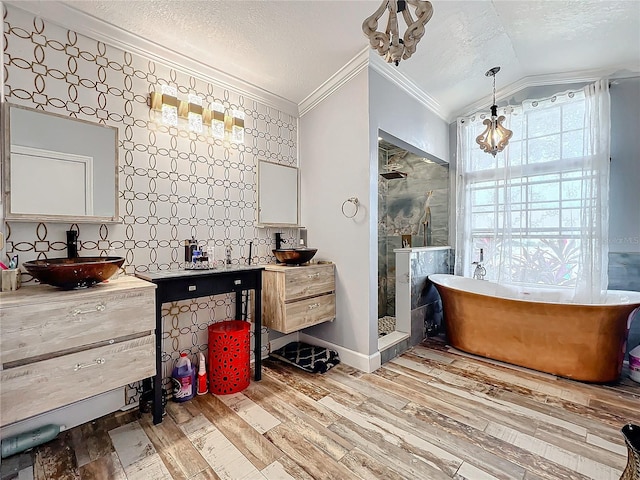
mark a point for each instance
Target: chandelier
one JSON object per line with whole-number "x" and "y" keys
{"x": 389, "y": 43}
{"x": 495, "y": 137}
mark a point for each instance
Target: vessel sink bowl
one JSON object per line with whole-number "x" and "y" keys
{"x": 69, "y": 273}
{"x": 294, "y": 256}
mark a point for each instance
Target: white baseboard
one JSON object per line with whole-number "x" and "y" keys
{"x": 280, "y": 342}
{"x": 70, "y": 415}
{"x": 366, "y": 363}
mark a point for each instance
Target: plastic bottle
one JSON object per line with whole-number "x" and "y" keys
{"x": 184, "y": 379}
{"x": 202, "y": 376}
{"x": 634, "y": 364}
{"x": 26, "y": 440}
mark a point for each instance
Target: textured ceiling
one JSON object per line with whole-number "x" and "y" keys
{"x": 290, "y": 48}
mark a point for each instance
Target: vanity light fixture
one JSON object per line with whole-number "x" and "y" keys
{"x": 166, "y": 102}
{"x": 223, "y": 126}
{"x": 194, "y": 113}
{"x": 389, "y": 43}
{"x": 496, "y": 136}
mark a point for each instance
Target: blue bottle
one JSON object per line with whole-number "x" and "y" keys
{"x": 184, "y": 379}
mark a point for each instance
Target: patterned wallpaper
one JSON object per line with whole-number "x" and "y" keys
{"x": 173, "y": 184}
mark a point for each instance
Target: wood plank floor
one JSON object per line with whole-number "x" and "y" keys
{"x": 432, "y": 413}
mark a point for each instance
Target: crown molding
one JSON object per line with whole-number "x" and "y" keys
{"x": 342, "y": 76}
{"x": 367, "y": 58}
{"x": 68, "y": 17}
{"x": 398, "y": 78}
{"x": 563, "y": 78}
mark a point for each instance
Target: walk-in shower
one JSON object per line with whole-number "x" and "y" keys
{"x": 413, "y": 200}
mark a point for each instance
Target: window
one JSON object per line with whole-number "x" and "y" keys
{"x": 530, "y": 208}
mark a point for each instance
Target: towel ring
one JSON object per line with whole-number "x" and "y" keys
{"x": 355, "y": 202}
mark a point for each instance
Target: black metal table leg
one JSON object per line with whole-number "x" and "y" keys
{"x": 157, "y": 380}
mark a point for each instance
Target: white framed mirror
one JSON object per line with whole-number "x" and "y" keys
{"x": 277, "y": 195}
{"x": 58, "y": 168}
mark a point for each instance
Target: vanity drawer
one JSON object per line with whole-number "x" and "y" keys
{"x": 41, "y": 386}
{"x": 38, "y": 329}
{"x": 307, "y": 312}
{"x": 308, "y": 281}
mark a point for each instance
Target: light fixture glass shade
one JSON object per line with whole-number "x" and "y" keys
{"x": 237, "y": 127}
{"x": 169, "y": 105}
{"x": 389, "y": 43}
{"x": 495, "y": 136}
{"x": 195, "y": 113}
{"x": 217, "y": 120}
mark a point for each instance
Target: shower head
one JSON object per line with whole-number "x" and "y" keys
{"x": 393, "y": 174}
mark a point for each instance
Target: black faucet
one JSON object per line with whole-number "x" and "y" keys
{"x": 72, "y": 243}
{"x": 279, "y": 241}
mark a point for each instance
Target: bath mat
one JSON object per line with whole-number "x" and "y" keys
{"x": 309, "y": 358}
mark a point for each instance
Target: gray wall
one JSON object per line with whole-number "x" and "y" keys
{"x": 624, "y": 193}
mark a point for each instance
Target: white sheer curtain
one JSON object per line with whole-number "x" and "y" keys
{"x": 539, "y": 210}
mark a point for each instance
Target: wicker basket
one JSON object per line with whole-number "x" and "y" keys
{"x": 631, "y": 435}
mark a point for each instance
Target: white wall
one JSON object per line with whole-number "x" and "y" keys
{"x": 395, "y": 112}
{"x": 338, "y": 158}
{"x": 334, "y": 165}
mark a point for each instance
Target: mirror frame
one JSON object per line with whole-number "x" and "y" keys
{"x": 259, "y": 223}
{"x": 6, "y": 164}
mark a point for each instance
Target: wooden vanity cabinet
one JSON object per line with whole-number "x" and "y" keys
{"x": 58, "y": 347}
{"x": 296, "y": 297}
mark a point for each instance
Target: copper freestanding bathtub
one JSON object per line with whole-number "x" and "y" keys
{"x": 538, "y": 329}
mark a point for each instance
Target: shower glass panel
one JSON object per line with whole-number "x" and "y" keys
{"x": 413, "y": 204}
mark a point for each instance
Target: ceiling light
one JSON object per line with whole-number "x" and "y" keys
{"x": 389, "y": 43}
{"x": 495, "y": 137}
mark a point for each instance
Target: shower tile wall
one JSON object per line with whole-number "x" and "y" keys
{"x": 401, "y": 211}
{"x": 426, "y": 306}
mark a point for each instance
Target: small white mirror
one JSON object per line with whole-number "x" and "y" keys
{"x": 277, "y": 195}
{"x": 58, "y": 168}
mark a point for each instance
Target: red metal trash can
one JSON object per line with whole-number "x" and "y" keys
{"x": 229, "y": 356}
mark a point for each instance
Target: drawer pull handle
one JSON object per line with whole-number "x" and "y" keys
{"x": 97, "y": 361}
{"x": 98, "y": 308}
{"x": 314, "y": 305}
{"x": 312, "y": 275}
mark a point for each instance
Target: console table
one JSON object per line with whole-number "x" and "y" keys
{"x": 175, "y": 285}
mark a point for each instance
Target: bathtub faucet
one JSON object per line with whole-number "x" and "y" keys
{"x": 479, "y": 272}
